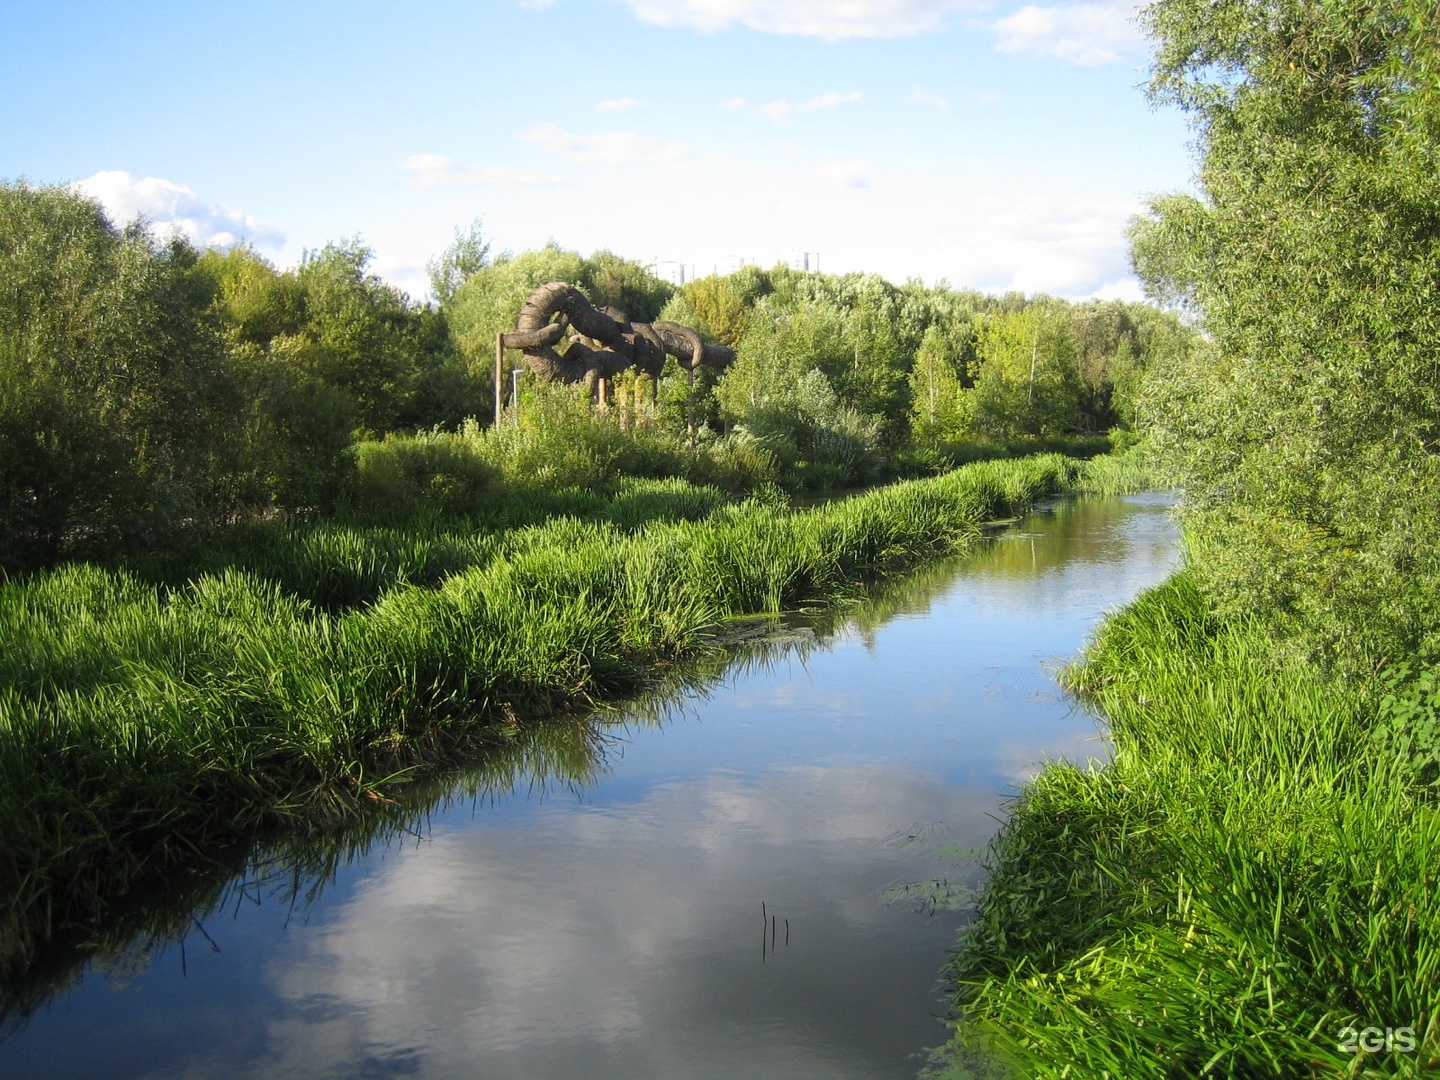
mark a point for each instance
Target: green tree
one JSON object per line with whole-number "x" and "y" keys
{"x": 325, "y": 351}
{"x": 467, "y": 254}
{"x": 606, "y": 278}
{"x": 780, "y": 390}
{"x": 874, "y": 380}
{"x": 116, "y": 401}
{"x": 940, "y": 408}
{"x": 718, "y": 307}
{"x": 295, "y": 428}
{"x": 358, "y": 336}
{"x": 1027, "y": 384}
{"x": 1306, "y": 431}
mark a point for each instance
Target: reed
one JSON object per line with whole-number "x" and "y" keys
{"x": 304, "y": 678}
{"x": 1251, "y": 877}
{"x": 1125, "y": 472}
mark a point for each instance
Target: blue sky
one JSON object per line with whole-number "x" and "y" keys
{"x": 991, "y": 143}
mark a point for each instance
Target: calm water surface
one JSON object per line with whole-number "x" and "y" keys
{"x": 742, "y": 881}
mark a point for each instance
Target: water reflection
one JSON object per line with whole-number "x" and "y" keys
{"x": 291, "y": 873}
{"x": 595, "y": 898}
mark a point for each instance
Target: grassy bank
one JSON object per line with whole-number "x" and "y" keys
{"x": 296, "y": 684}
{"x": 1251, "y": 889}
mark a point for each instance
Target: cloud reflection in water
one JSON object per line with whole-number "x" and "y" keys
{"x": 635, "y": 934}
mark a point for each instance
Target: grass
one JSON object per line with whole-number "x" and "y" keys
{"x": 1124, "y": 472}
{"x": 1249, "y": 879}
{"x": 296, "y": 683}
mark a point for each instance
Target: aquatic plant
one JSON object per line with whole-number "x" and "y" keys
{"x": 1246, "y": 891}
{"x": 140, "y": 724}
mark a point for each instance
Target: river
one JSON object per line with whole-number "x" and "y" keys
{"x": 756, "y": 876}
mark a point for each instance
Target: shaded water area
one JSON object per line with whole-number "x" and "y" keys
{"x": 755, "y": 876}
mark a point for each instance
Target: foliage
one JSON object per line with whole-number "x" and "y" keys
{"x": 149, "y": 392}
{"x": 779, "y": 391}
{"x": 116, "y": 401}
{"x": 321, "y": 352}
{"x": 1243, "y": 882}
{"x": 555, "y": 444}
{"x": 915, "y": 362}
{"x": 610, "y": 280}
{"x": 138, "y": 723}
{"x": 1028, "y": 384}
{"x": 1407, "y": 721}
{"x": 940, "y": 410}
{"x": 360, "y": 336}
{"x": 468, "y": 253}
{"x": 1305, "y": 433}
{"x": 396, "y": 478}
{"x": 719, "y": 306}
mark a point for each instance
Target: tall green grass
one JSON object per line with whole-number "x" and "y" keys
{"x": 1250, "y": 877}
{"x": 340, "y": 564}
{"x": 141, "y": 723}
{"x": 1124, "y": 472}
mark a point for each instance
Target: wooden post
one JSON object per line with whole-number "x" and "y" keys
{"x": 499, "y": 365}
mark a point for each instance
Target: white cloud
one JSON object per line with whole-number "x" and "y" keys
{"x": 834, "y": 99}
{"x": 1050, "y": 232}
{"x": 924, "y": 97}
{"x": 822, "y": 19}
{"x": 613, "y": 148}
{"x": 623, "y": 104}
{"x": 734, "y": 104}
{"x": 172, "y": 207}
{"x": 780, "y": 111}
{"x": 847, "y": 174}
{"x": 1084, "y": 35}
{"x": 430, "y": 171}
{"x": 1126, "y": 289}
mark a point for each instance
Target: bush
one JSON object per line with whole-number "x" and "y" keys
{"x": 401, "y": 476}
{"x": 116, "y": 400}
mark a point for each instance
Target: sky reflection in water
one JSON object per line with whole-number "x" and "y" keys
{"x": 615, "y": 929}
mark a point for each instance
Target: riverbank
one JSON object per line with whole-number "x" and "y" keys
{"x": 145, "y": 721}
{"x": 1249, "y": 889}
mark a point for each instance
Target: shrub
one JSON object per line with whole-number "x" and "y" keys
{"x": 400, "y": 476}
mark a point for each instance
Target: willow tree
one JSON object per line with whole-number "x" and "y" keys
{"x": 1307, "y": 434}
{"x": 116, "y": 403}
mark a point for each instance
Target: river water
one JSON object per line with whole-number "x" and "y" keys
{"x": 758, "y": 876}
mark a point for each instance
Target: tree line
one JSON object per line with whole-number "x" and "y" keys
{"x": 147, "y": 386}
